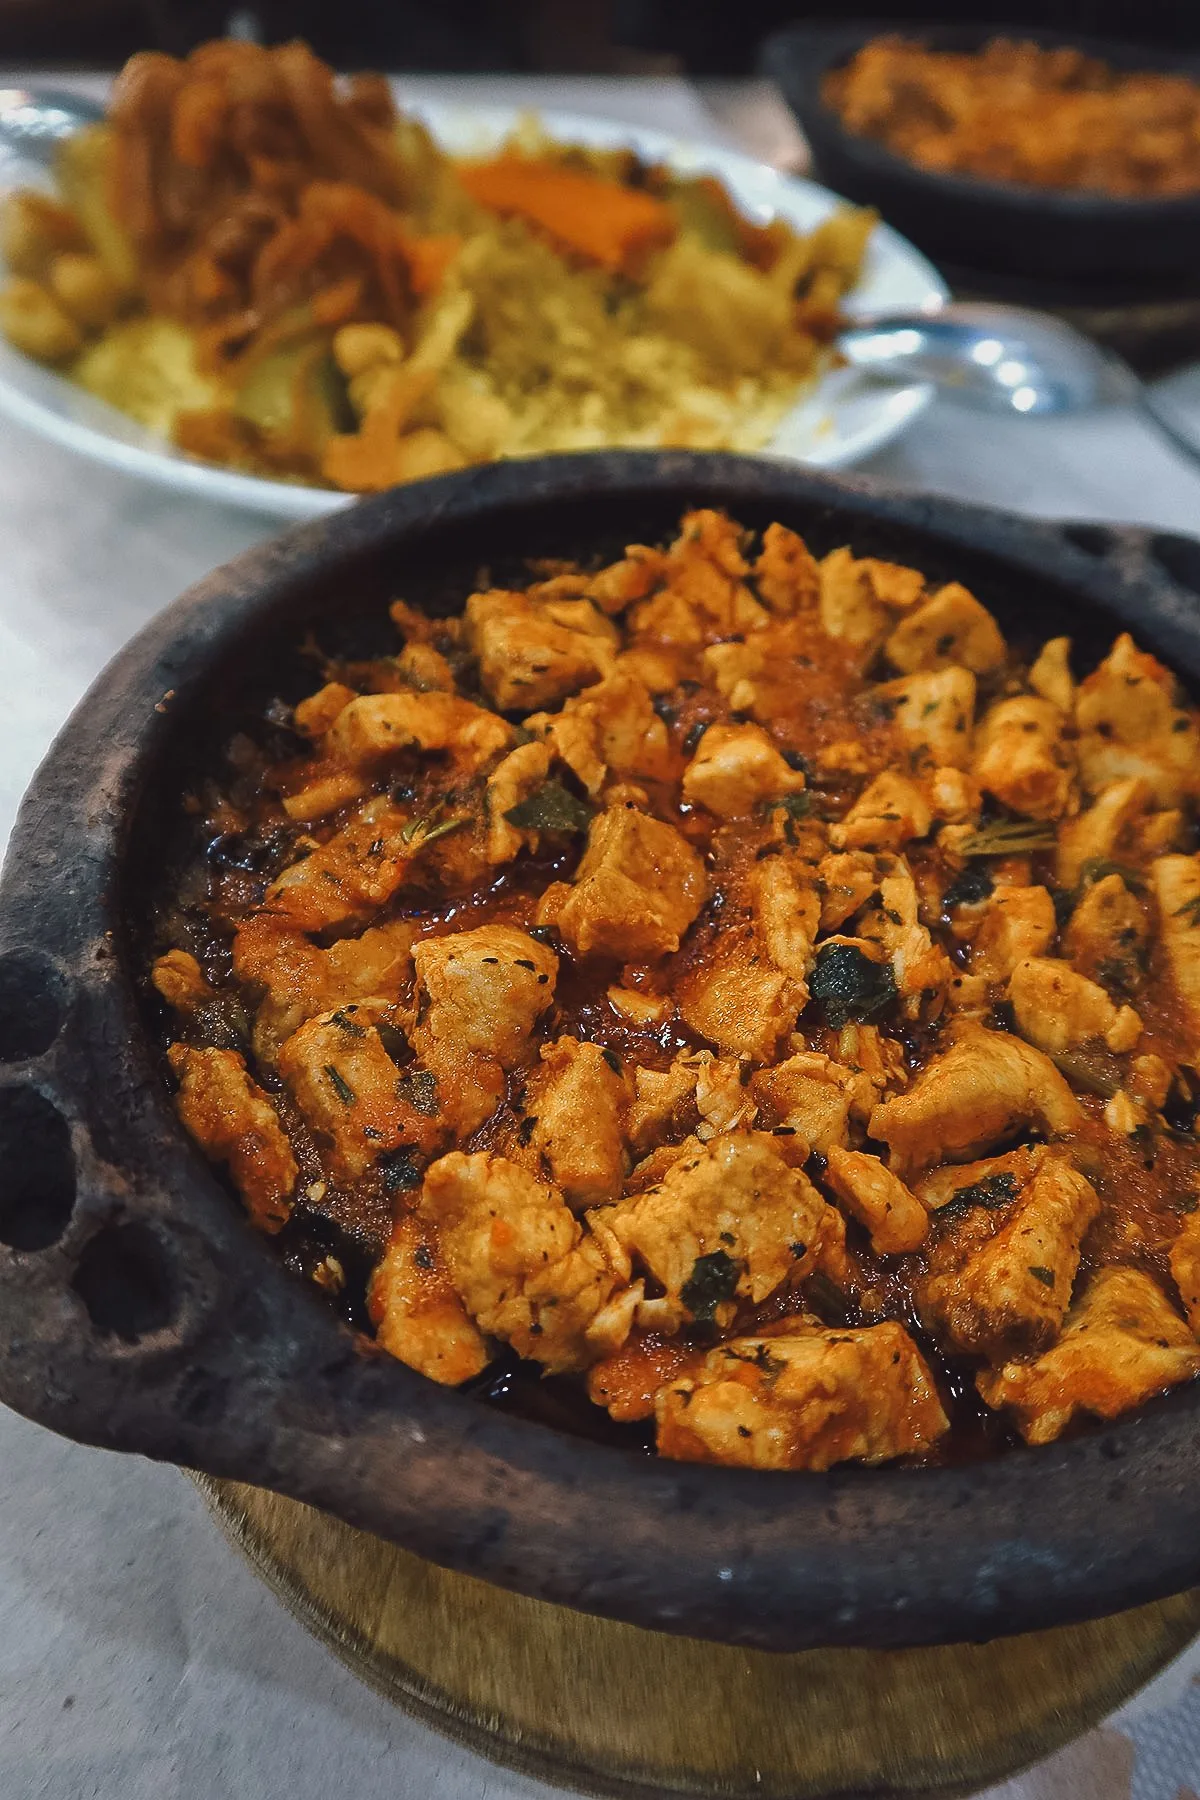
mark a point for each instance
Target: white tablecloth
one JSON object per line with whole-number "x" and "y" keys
{"x": 140, "y": 1659}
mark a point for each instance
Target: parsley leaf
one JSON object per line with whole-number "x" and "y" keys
{"x": 346, "y": 1024}
{"x": 714, "y": 1278}
{"x": 968, "y": 889}
{"x": 992, "y": 1191}
{"x": 420, "y": 1090}
{"x": 398, "y": 1169}
{"x": 793, "y": 807}
{"x": 552, "y": 807}
{"x": 848, "y": 986}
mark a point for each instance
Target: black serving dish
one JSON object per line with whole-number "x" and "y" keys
{"x": 140, "y": 1310}
{"x": 989, "y": 225}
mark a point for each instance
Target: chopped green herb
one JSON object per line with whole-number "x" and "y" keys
{"x": 552, "y": 807}
{"x": 420, "y": 832}
{"x": 1010, "y": 837}
{"x": 1190, "y": 910}
{"x": 526, "y": 1128}
{"x": 423, "y": 1256}
{"x": 992, "y": 1191}
{"x": 693, "y": 735}
{"x": 1045, "y": 1276}
{"x": 713, "y": 1279}
{"x": 341, "y": 1087}
{"x": 612, "y": 1060}
{"x": 346, "y": 1024}
{"x": 849, "y": 987}
{"x": 968, "y": 889}
{"x": 793, "y": 807}
{"x": 1097, "y": 867}
{"x": 420, "y": 1090}
{"x": 797, "y": 805}
{"x": 1118, "y": 974}
{"x": 398, "y": 1168}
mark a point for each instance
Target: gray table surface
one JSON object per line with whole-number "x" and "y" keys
{"x": 139, "y": 1658}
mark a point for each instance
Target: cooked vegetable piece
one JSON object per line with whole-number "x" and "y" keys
{"x": 599, "y": 220}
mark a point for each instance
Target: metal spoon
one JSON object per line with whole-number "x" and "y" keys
{"x": 34, "y": 120}
{"x": 1004, "y": 358}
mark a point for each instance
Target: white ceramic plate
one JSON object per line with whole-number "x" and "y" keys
{"x": 845, "y": 417}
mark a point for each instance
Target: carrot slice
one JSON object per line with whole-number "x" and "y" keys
{"x": 599, "y": 220}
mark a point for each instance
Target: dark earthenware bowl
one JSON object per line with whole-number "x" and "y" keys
{"x": 986, "y": 225}
{"x": 139, "y": 1309}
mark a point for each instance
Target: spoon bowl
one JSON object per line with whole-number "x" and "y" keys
{"x": 1004, "y": 359}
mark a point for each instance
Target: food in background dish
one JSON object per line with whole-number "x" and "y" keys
{"x": 288, "y": 276}
{"x": 740, "y": 983}
{"x": 1015, "y": 112}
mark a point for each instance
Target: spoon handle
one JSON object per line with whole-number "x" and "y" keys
{"x": 1175, "y": 436}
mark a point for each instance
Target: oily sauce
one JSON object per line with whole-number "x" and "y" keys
{"x": 819, "y": 697}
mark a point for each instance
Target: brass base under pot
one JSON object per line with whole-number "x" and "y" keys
{"x": 610, "y": 1709}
